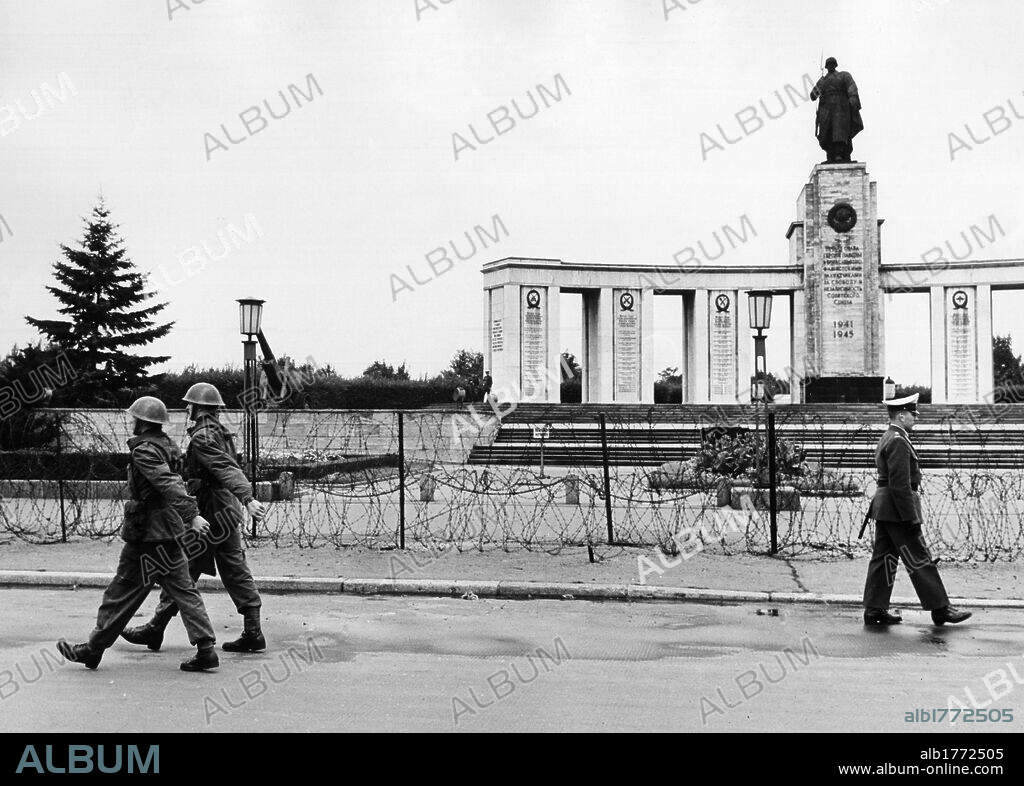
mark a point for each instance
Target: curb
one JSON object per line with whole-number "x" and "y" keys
{"x": 491, "y": 589}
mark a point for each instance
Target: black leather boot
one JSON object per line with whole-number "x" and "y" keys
{"x": 148, "y": 635}
{"x": 80, "y": 653}
{"x": 251, "y": 639}
{"x": 205, "y": 659}
{"x": 881, "y": 617}
{"x": 949, "y": 614}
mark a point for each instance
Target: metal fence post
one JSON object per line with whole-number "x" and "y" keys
{"x": 401, "y": 481}
{"x": 607, "y": 480}
{"x": 60, "y": 482}
{"x": 771, "y": 481}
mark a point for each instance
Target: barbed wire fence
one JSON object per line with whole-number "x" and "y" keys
{"x": 473, "y": 481}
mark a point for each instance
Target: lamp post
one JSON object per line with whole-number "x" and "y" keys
{"x": 888, "y": 389}
{"x": 760, "y": 303}
{"x": 250, "y": 314}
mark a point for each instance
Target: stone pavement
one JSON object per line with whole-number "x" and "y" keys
{"x": 567, "y": 571}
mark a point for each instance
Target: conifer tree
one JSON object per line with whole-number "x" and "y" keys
{"x": 102, "y": 293}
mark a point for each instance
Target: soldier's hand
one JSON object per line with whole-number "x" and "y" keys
{"x": 256, "y": 509}
{"x": 201, "y": 526}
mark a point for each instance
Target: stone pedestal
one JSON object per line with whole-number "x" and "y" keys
{"x": 836, "y": 238}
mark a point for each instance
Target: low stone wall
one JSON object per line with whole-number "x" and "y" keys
{"x": 269, "y": 491}
{"x": 436, "y": 435}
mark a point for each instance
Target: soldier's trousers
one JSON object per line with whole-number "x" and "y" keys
{"x": 139, "y": 568}
{"x": 229, "y": 557}
{"x": 895, "y": 541}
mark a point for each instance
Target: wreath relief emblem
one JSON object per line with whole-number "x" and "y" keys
{"x": 842, "y": 217}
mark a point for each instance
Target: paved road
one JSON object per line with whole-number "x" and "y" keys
{"x": 414, "y": 664}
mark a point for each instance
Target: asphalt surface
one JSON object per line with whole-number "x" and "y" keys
{"x": 350, "y": 663}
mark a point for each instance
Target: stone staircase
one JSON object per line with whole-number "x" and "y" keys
{"x": 836, "y": 435}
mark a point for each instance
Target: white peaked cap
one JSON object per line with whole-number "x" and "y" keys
{"x": 906, "y": 402}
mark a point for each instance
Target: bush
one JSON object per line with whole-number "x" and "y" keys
{"x": 37, "y": 464}
{"x": 668, "y": 391}
{"x": 909, "y": 390}
{"x": 28, "y": 429}
{"x": 1009, "y": 394}
{"x": 747, "y": 454}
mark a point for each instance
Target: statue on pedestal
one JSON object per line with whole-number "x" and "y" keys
{"x": 838, "y": 119}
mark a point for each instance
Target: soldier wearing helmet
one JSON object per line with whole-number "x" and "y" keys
{"x": 214, "y": 475}
{"x": 838, "y": 119}
{"x": 154, "y": 525}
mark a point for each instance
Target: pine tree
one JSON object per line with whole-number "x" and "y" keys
{"x": 101, "y": 293}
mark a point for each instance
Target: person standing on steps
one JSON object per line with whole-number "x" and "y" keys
{"x": 213, "y": 473}
{"x": 154, "y": 523}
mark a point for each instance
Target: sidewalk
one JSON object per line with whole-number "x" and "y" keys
{"x": 566, "y": 572}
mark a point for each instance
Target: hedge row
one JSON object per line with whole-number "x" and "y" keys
{"x": 320, "y": 393}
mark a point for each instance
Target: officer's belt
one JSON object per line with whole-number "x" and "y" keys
{"x": 882, "y": 484}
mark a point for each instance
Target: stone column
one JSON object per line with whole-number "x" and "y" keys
{"x": 701, "y": 352}
{"x": 938, "y": 340}
{"x": 591, "y": 346}
{"x": 744, "y": 349}
{"x": 553, "y": 382}
{"x": 601, "y": 335}
{"x": 798, "y": 346}
{"x": 647, "y": 346}
{"x": 983, "y": 326}
{"x": 687, "y": 372}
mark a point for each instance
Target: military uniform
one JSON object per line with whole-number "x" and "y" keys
{"x": 213, "y": 473}
{"x": 838, "y": 118}
{"x": 154, "y": 522}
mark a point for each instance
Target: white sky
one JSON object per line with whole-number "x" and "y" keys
{"x": 362, "y": 181}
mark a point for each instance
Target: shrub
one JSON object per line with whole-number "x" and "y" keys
{"x": 669, "y": 391}
{"x": 747, "y": 454}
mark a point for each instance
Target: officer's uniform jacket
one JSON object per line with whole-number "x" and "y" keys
{"x": 899, "y": 479}
{"x": 213, "y": 472}
{"x": 158, "y": 493}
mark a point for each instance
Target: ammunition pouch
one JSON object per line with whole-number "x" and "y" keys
{"x": 136, "y": 519}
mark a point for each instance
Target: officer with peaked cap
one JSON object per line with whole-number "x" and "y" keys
{"x": 896, "y": 509}
{"x": 153, "y": 527}
{"x": 212, "y": 471}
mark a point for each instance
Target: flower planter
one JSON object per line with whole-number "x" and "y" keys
{"x": 786, "y": 497}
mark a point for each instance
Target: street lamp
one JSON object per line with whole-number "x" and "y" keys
{"x": 889, "y": 389}
{"x": 760, "y": 303}
{"x": 250, "y": 315}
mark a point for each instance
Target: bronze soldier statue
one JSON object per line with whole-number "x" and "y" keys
{"x": 838, "y": 118}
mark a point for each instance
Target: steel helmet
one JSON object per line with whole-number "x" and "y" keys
{"x": 149, "y": 409}
{"x": 205, "y": 394}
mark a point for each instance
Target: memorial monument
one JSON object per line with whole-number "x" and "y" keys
{"x": 834, "y": 279}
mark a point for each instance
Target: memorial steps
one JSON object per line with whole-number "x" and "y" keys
{"x": 836, "y": 435}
